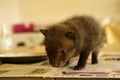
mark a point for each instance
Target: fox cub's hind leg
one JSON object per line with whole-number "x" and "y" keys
{"x": 95, "y": 56}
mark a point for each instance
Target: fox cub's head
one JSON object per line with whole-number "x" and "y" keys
{"x": 60, "y": 44}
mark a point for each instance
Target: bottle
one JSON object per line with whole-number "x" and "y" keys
{"x": 6, "y": 39}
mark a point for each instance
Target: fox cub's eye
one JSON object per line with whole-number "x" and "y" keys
{"x": 63, "y": 51}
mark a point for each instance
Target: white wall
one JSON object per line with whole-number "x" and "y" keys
{"x": 50, "y": 11}
{"x": 9, "y": 11}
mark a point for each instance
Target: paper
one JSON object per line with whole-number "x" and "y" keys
{"x": 104, "y": 69}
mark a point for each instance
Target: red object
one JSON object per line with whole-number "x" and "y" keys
{"x": 30, "y": 28}
{"x": 20, "y": 28}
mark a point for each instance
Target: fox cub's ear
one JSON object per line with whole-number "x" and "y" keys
{"x": 71, "y": 35}
{"x": 45, "y": 32}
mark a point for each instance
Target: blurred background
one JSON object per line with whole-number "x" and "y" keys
{"x": 22, "y": 42}
{"x": 50, "y": 11}
{"x": 20, "y": 19}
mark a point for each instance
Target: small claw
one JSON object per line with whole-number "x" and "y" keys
{"x": 78, "y": 67}
{"x": 94, "y": 62}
